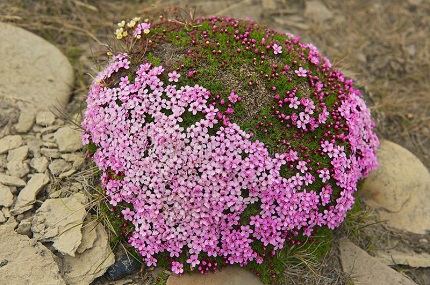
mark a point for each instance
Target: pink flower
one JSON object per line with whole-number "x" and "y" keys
{"x": 277, "y": 49}
{"x": 301, "y": 72}
{"x": 173, "y": 76}
{"x": 177, "y": 267}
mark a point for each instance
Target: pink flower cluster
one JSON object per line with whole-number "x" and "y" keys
{"x": 185, "y": 185}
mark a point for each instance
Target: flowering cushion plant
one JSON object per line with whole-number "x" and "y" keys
{"x": 221, "y": 141}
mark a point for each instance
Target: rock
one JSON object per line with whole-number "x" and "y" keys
{"x": 124, "y": 266}
{"x": 67, "y": 173}
{"x": 33, "y": 71}
{"x": 60, "y": 221}
{"x": 9, "y": 114}
{"x": 231, "y": 275}
{"x": 17, "y": 168}
{"x": 78, "y": 159}
{"x": 58, "y": 166}
{"x": 25, "y": 122}
{"x": 34, "y": 145}
{"x": 24, "y": 227}
{"x": 11, "y": 181}
{"x": 10, "y": 142}
{"x": 50, "y": 153}
{"x": 89, "y": 236}
{"x": 68, "y": 139}
{"x": 92, "y": 263}
{"x": 25, "y": 261}
{"x": 365, "y": 269}
{"x": 6, "y": 212}
{"x": 316, "y": 11}
{"x": 45, "y": 118}
{"x": 40, "y": 164}
{"x": 399, "y": 189}
{"x": 18, "y": 154}
{"x": 403, "y": 256}
{"x": 2, "y": 218}
{"x": 6, "y": 197}
{"x": 27, "y": 196}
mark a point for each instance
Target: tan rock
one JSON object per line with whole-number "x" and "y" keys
{"x": 316, "y": 11}
{"x": 26, "y": 261}
{"x": 90, "y": 264}
{"x": 60, "y": 221}
{"x": 403, "y": 256}
{"x": 399, "y": 189}
{"x": 10, "y": 142}
{"x": 11, "y": 180}
{"x": 33, "y": 72}
{"x": 6, "y": 197}
{"x": 367, "y": 270}
{"x": 25, "y": 122}
{"x": 27, "y": 196}
{"x": 68, "y": 139}
{"x": 45, "y": 118}
{"x": 231, "y": 275}
{"x": 89, "y": 236}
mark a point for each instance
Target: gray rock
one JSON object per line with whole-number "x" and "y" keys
{"x": 40, "y": 164}
{"x": 316, "y": 11}
{"x": 11, "y": 180}
{"x": 6, "y": 212}
{"x": 33, "y": 71}
{"x": 45, "y": 118}
{"x": 10, "y": 142}
{"x": 48, "y": 130}
{"x": 27, "y": 196}
{"x": 90, "y": 264}
{"x": 60, "y": 221}
{"x": 6, "y": 197}
{"x": 399, "y": 189}
{"x": 67, "y": 173}
{"x": 365, "y": 269}
{"x": 25, "y": 122}
{"x": 89, "y": 236}
{"x": 26, "y": 261}
{"x": 228, "y": 276}
{"x": 59, "y": 166}
{"x": 50, "y": 153}
{"x": 68, "y": 139}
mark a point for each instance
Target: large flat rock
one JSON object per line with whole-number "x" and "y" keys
{"x": 33, "y": 73}
{"x": 399, "y": 189}
{"x": 367, "y": 270}
{"x": 25, "y": 261}
{"x": 228, "y": 276}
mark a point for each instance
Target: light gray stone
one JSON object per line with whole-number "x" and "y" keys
{"x": 6, "y": 212}
{"x": 2, "y": 218}
{"x": 27, "y": 196}
{"x": 90, "y": 264}
{"x": 399, "y": 189}
{"x": 231, "y": 275}
{"x": 60, "y": 221}
{"x": 11, "y": 180}
{"x": 25, "y": 122}
{"x": 67, "y": 173}
{"x": 33, "y": 71}
{"x": 367, "y": 270}
{"x": 45, "y": 118}
{"x": 34, "y": 145}
{"x": 26, "y": 261}
{"x": 40, "y": 164}
{"x": 316, "y": 11}
{"x": 59, "y": 166}
{"x": 10, "y": 142}
{"x": 68, "y": 139}
{"x": 6, "y": 197}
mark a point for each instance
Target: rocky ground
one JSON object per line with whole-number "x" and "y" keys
{"x": 47, "y": 232}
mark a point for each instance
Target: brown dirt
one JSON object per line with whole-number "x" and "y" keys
{"x": 383, "y": 45}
